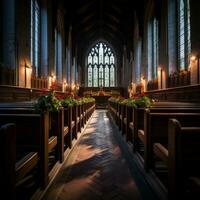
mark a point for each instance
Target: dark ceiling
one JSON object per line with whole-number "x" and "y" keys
{"x": 111, "y": 20}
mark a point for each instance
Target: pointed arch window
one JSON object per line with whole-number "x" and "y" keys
{"x": 90, "y": 75}
{"x": 35, "y": 36}
{"x": 112, "y": 76}
{"x": 95, "y": 76}
{"x": 152, "y": 48}
{"x": 107, "y": 76}
{"x": 101, "y": 66}
{"x": 184, "y": 40}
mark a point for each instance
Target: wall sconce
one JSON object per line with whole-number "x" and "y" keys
{"x": 193, "y": 57}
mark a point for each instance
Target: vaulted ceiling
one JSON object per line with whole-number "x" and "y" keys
{"x": 111, "y": 20}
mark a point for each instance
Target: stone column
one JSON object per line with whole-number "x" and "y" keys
{"x": 9, "y": 42}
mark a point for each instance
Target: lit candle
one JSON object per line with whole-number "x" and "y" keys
{"x": 143, "y": 81}
{"x": 163, "y": 79}
{"x": 194, "y": 69}
{"x": 160, "y": 78}
{"x": 49, "y": 82}
{"x": 133, "y": 88}
{"x": 64, "y": 86}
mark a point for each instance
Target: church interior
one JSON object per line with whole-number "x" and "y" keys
{"x": 99, "y": 99}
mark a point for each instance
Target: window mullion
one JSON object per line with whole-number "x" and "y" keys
{"x": 100, "y": 56}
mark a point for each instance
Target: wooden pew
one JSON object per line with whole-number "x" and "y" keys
{"x": 175, "y": 104}
{"x": 128, "y": 123}
{"x": 8, "y": 160}
{"x": 32, "y": 134}
{"x": 123, "y": 119}
{"x": 118, "y": 115}
{"x": 77, "y": 120}
{"x": 135, "y": 122}
{"x": 69, "y": 124}
{"x": 137, "y": 125}
{"x": 156, "y": 129}
{"x": 181, "y": 157}
{"x": 80, "y": 116}
{"x": 133, "y": 118}
{"x": 112, "y": 106}
{"x": 83, "y": 113}
{"x": 56, "y": 129}
{"x": 12, "y": 168}
{"x": 113, "y": 110}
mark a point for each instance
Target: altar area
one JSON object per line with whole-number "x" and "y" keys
{"x": 100, "y": 94}
{"x": 101, "y": 101}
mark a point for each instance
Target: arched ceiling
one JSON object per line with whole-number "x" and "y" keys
{"x": 111, "y": 20}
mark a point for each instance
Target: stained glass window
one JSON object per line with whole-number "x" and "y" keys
{"x": 101, "y": 59}
{"x": 95, "y": 76}
{"x": 106, "y": 76}
{"x": 101, "y": 76}
{"x": 35, "y": 34}
{"x": 138, "y": 59}
{"x": 89, "y": 59}
{"x": 112, "y": 76}
{"x": 90, "y": 76}
{"x": 184, "y": 44}
{"x": 152, "y": 48}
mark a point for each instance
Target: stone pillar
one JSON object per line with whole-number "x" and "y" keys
{"x": 9, "y": 35}
{"x": 195, "y": 28}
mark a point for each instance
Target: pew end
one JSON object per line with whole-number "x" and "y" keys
{"x": 184, "y": 160}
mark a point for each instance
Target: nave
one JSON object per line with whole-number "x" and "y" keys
{"x": 97, "y": 168}
{"x": 61, "y": 61}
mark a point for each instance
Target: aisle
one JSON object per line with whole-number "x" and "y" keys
{"x": 96, "y": 169}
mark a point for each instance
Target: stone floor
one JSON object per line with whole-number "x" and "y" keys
{"x": 97, "y": 168}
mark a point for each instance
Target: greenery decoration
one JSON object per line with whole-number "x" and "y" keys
{"x": 47, "y": 102}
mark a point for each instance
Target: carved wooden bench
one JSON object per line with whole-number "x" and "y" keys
{"x": 13, "y": 167}
{"x": 32, "y": 134}
{"x": 56, "y": 129}
{"x": 156, "y": 128}
{"x": 181, "y": 157}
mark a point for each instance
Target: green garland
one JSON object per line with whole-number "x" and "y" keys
{"x": 47, "y": 102}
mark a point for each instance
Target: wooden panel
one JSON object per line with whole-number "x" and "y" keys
{"x": 14, "y": 93}
{"x": 116, "y": 91}
{"x": 182, "y": 94}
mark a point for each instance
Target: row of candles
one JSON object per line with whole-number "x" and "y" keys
{"x": 161, "y": 74}
{"x": 65, "y": 85}
{"x": 51, "y": 80}
{"x": 194, "y": 68}
{"x": 143, "y": 82}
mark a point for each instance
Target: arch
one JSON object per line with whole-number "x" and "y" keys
{"x": 101, "y": 65}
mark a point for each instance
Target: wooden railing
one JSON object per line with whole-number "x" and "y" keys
{"x": 50, "y": 134}
{"x": 181, "y": 78}
{"x": 39, "y": 83}
{"x": 189, "y": 93}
